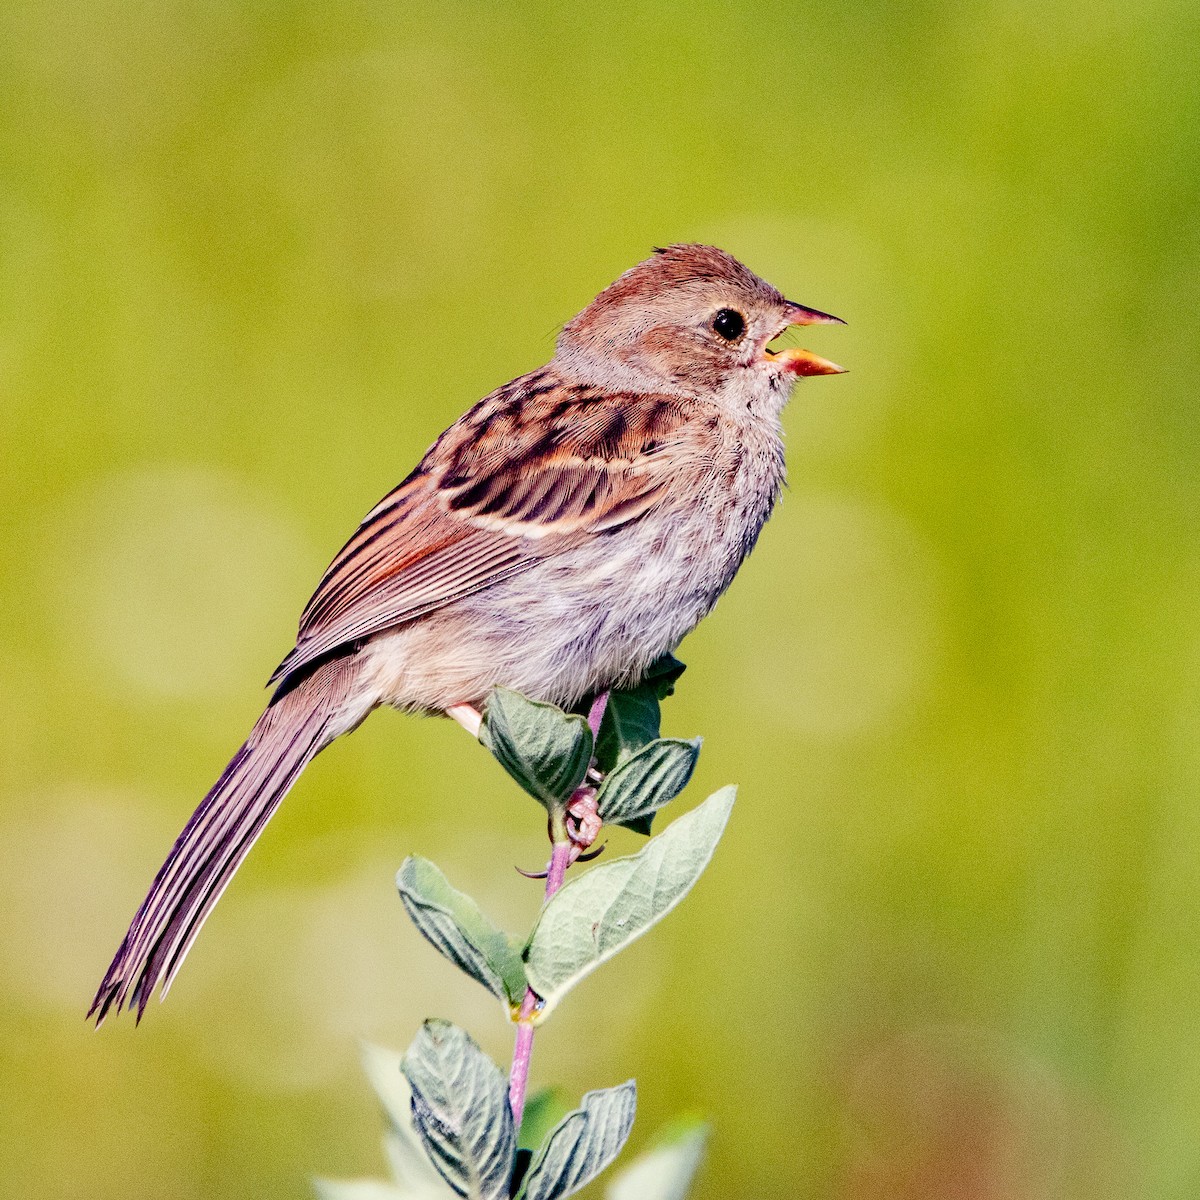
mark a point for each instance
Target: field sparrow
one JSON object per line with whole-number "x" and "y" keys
{"x": 557, "y": 539}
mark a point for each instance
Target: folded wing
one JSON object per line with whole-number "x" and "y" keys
{"x": 532, "y": 470}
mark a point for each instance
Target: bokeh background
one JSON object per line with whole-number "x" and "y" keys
{"x": 254, "y": 256}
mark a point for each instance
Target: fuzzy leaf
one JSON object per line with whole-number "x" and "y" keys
{"x": 546, "y": 750}
{"x": 600, "y": 913}
{"x": 664, "y": 1172}
{"x": 582, "y": 1144}
{"x": 405, "y": 1151}
{"x": 631, "y": 721}
{"x": 453, "y": 923}
{"x": 632, "y": 718}
{"x": 641, "y": 785}
{"x": 460, "y": 1108}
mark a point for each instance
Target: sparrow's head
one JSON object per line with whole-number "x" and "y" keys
{"x": 691, "y": 319}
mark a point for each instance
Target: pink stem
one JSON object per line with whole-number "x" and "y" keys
{"x": 560, "y": 860}
{"x": 518, "y": 1079}
{"x": 522, "y": 1053}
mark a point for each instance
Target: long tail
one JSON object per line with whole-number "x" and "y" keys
{"x": 219, "y": 834}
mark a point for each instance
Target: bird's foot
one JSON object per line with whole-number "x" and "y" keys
{"x": 583, "y": 827}
{"x": 583, "y": 822}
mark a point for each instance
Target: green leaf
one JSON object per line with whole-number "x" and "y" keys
{"x": 594, "y": 916}
{"x": 543, "y": 1110}
{"x": 643, "y": 825}
{"x": 631, "y": 721}
{"x": 666, "y": 1171}
{"x": 582, "y": 1144}
{"x": 410, "y": 1165}
{"x": 632, "y": 718}
{"x": 453, "y": 923}
{"x": 662, "y": 675}
{"x": 641, "y": 785}
{"x": 546, "y": 750}
{"x": 460, "y": 1108}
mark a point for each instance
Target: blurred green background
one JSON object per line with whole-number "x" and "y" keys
{"x": 255, "y": 256}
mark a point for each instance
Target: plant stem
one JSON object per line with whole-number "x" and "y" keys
{"x": 560, "y": 860}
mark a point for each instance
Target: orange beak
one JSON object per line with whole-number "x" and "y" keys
{"x": 805, "y": 362}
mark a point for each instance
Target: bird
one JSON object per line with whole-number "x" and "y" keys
{"x": 559, "y": 538}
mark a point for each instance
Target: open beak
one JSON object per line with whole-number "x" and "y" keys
{"x": 805, "y": 362}
{"x": 797, "y": 314}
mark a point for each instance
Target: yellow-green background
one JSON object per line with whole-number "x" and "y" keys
{"x": 254, "y": 256}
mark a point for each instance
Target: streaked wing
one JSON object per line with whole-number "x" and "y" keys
{"x": 534, "y": 469}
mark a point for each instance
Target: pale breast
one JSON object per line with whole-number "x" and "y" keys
{"x": 597, "y": 615}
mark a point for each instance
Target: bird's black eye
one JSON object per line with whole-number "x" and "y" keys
{"x": 730, "y": 324}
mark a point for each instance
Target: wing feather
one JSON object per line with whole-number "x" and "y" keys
{"x": 530, "y": 471}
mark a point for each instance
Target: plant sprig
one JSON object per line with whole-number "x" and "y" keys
{"x": 456, "y": 1124}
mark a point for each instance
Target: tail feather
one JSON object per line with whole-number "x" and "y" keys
{"x": 219, "y": 835}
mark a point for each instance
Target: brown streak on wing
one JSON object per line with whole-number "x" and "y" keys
{"x": 527, "y": 473}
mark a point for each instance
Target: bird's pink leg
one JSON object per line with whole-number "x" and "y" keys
{"x": 468, "y": 716}
{"x": 596, "y": 714}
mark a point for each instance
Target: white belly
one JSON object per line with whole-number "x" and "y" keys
{"x": 586, "y": 620}
{"x": 593, "y": 617}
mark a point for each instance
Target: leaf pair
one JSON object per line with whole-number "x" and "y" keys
{"x": 586, "y": 923}
{"x": 548, "y": 751}
{"x": 460, "y": 1111}
{"x": 572, "y": 1152}
{"x": 452, "y": 1131}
